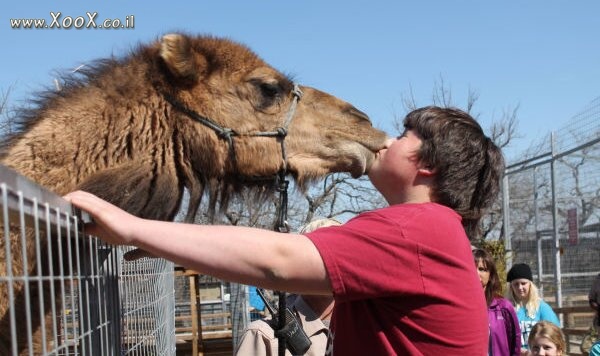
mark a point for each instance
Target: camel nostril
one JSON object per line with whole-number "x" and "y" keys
{"x": 361, "y": 115}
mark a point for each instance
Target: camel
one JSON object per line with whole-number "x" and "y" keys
{"x": 131, "y": 131}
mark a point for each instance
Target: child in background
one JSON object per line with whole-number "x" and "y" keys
{"x": 525, "y": 297}
{"x": 547, "y": 339}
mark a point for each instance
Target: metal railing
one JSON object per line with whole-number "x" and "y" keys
{"x": 65, "y": 293}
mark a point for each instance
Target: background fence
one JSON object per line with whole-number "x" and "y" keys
{"x": 552, "y": 210}
{"x": 64, "y": 293}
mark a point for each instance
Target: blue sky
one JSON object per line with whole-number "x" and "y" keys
{"x": 541, "y": 55}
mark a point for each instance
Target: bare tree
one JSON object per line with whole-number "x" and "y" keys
{"x": 7, "y": 114}
{"x": 341, "y": 195}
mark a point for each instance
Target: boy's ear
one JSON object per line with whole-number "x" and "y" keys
{"x": 426, "y": 171}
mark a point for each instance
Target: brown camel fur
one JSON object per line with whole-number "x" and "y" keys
{"x": 111, "y": 130}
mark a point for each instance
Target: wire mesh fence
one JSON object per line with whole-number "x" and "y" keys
{"x": 552, "y": 209}
{"x": 65, "y": 293}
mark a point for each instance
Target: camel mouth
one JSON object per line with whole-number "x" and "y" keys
{"x": 363, "y": 160}
{"x": 370, "y": 154}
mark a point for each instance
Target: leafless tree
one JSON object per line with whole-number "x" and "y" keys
{"x": 7, "y": 114}
{"x": 340, "y": 196}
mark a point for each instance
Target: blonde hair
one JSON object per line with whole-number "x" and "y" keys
{"x": 549, "y": 331}
{"x": 533, "y": 300}
{"x": 318, "y": 223}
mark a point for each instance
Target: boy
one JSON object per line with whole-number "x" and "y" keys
{"x": 402, "y": 277}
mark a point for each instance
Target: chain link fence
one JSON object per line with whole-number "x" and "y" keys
{"x": 551, "y": 213}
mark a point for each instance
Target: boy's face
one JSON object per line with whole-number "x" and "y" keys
{"x": 397, "y": 166}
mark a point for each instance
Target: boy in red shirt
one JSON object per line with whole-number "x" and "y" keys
{"x": 402, "y": 277}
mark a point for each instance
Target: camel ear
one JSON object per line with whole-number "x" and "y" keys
{"x": 176, "y": 50}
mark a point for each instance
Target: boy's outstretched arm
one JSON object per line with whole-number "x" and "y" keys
{"x": 278, "y": 261}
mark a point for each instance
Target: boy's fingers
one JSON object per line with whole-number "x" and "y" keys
{"x": 88, "y": 202}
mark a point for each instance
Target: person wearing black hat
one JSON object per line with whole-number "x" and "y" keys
{"x": 525, "y": 297}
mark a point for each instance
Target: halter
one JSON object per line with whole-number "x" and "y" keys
{"x": 280, "y": 133}
{"x": 227, "y": 134}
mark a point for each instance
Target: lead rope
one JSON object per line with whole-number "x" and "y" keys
{"x": 280, "y": 133}
{"x": 282, "y": 224}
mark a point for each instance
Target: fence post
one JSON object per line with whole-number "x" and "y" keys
{"x": 557, "y": 274}
{"x": 506, "y": 221}
{"x": 538, "y": 236}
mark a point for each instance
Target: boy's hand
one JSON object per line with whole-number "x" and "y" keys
{"x": 110, "y": 223}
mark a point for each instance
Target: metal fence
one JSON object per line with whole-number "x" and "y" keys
{"x": 65, "y": 293}
{"x": 551, "y": 201}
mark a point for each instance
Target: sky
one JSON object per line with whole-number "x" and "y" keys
{"x": 540, "y": 56}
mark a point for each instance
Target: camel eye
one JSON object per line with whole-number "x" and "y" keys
{"x": 269, "y": 90}
{"x": 268, "y": 95}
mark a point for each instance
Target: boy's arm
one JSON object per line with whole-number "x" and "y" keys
{"x": 251, "y": 256}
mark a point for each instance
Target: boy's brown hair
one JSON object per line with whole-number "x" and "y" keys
{"x": 468, "y": 166}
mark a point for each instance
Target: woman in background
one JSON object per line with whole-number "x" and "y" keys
{"x": 505, "y": 334}
{"x": 525, "y": 297}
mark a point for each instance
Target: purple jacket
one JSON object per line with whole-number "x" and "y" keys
{"x": 505, "y": 334}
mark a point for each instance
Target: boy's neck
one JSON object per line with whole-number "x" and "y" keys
{"x": 416, "y": 195}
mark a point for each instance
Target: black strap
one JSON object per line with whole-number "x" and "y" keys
{"x": 280, "y": 133}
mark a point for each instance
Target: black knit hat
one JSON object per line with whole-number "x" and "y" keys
{"x": 518, "y": 271}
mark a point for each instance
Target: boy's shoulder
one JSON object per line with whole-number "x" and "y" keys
{"x": 409, "y": 214}
{"x": 416, "y": 209}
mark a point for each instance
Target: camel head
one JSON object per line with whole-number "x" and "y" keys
{"x": 230, "y": 85}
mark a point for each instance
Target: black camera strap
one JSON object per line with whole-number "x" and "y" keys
{"x": 291, "y": 332}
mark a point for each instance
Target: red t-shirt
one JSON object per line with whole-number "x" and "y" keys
{"x": 404, "y": 283}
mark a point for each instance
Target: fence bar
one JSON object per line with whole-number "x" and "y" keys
{"x": 557, "y": 278}
{"x": 506, "y": 221}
